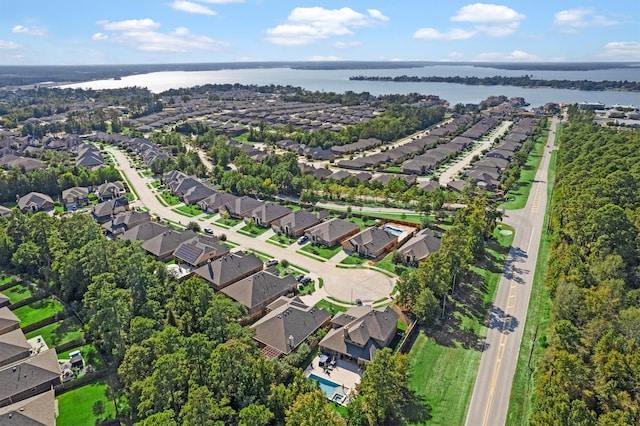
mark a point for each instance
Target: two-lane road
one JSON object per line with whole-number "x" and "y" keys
{"x": 492, "y": 390}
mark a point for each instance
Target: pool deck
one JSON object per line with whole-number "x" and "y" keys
{"x": 345, "y": 373}
{"x": 406, "y": 231}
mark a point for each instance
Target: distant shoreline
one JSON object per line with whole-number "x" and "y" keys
{"x": 23, "y": 75}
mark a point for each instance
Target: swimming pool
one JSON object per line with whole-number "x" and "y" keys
{"x": 333, "y": 391}
{"x": 395, "y": 231}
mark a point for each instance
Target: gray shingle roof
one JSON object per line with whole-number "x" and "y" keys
{"x": 29, "y": 373}
{"x": 164, "y": 244}
{"x": 260, "y": 288}
{"x": 332, "y": 229}
{"x": 289, "y": 324}
{"x": 421, "y": 245}
{"x": 229, "y": 269}
{"x": 38, "y": 410}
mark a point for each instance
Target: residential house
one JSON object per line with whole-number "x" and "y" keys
{"x": 359, "y": 332}
{"x": 267, "y": 213}
{"x": 196, "y": 194}
{"x": 295, "y": 223}
{"x": 214, "y": 202}
{"x": 332, "y": 232}
{"x": 8, "y": 321}
{"x": 256, "y": 291}
{"x": 39, "y": 410}
{"x": 110, "y": 190}
{"x": 13, "y": 347}
{"x": 34, "y": 202}
{"x": 75, "y": 197}
{"x": 228, "y": 269}
{"x": 162, "y": 246}
{"x": 199, "y": 250}
{"x": 241, "y": 207}
{"x": 372, "y": 242}
{"x": 103, "y": 212}
{"x": 419, "y": 247}
{"x": 5, "y": 212}
{"x": 29, "y": 377}
{"x": 287, "y": 324}
{"x": 144, "y": 232}
{"x": 123, "y": 221}
{"x": 89, "y": 156}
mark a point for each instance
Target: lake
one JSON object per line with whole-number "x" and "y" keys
{"x": 338, "y": 81}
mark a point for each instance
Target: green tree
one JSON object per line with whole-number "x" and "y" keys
{"x": 312, "y": 409}
{"x": 255, "y": 415}
{"x": 383, "y": 385}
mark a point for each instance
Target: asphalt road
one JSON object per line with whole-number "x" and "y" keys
{"x": 492, "y": 389}
{"x": 347, "y": 285}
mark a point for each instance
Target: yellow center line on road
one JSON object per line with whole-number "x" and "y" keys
{"x": 503, "y": 343}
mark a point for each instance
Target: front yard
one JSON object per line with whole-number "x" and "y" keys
{"x": 322, "y": 251}
{"x": 190, "y": 211}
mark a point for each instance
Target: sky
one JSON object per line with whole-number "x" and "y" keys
{"x": 72, "y": 32}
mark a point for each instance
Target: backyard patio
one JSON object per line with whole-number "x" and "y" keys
{"x": 337, "y": 378}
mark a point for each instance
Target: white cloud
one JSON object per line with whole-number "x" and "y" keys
{"x": 140, "y": 34}
{"x": 455, "y": 55}
{"x": 481, "y": 12}
{"x": 346, "y": 44}
{"x": 35, "y": 31}
{"x": 191, "y": 7}
{"x": 306, "y": 25}
{"x": 221, "y": 1}
{"x": 324, "y": 58}
{"x": 130, "y": 25}
{"x": 516, "y": 55}
{"x": 9, "y": 45}
{"x": 452, "y": 34}
{"x": 490, "y": 19}
{"x": 572, "y": 19}
{"x": 622, "y": 50}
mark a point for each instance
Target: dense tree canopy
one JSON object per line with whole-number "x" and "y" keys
{"x": 591, "y": 371}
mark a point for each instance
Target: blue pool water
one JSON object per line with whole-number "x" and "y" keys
{"x": 327, "y": 386}
{"x": 392, "y": 230}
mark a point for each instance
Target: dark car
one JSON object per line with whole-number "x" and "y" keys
{"x": 305, "y": 280}
{"x": 299, "y": 277}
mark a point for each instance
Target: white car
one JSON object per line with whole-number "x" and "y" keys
{"x": 271, "y": 262}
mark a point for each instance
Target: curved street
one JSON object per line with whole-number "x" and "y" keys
{"x": 343, "y": 284}
{"x": 492, "y": 389}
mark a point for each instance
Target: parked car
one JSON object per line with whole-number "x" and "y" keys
{"x": 305, "y": 280}
{"x": 303, "y": 239}
{"x": 358, "y": 302}
{"x": 208, "y": 230}
{"x": 271, "y": 262}
{"x": 299, "y": 277}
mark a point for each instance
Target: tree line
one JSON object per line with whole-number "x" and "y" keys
{"x": 590, "y": 372}
{"x": 522, "y": 81}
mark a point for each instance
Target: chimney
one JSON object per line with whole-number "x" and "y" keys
{"x": 291, "y": 341}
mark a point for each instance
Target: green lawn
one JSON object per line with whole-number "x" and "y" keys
{"x": 322, "y": 251}
{"x": 388, "y": 265}
{"x": 76, "y": 406}
{"x": 171, "y": 200}
{"x": 444, "y": 377}
{"x": 330, "y": 307}
{"x": 536, "y": 326}
{"x": 518, "y": 196}
{"x": 282, "y": 239}
{"x": 229, "y": 222}
{"x": 38, "y": 311}
{"x": 361, "y": 222}
{"x": 17, "y": 293}
{"x": 156, "y": 183}
{"x": 59, "y": 332}
{"x": 353, "y": 259}
{"x": 190, "y": 211}
{"x": 253, "y": 231}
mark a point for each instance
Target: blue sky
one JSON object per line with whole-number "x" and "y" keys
{"x": 68, "y": 32}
